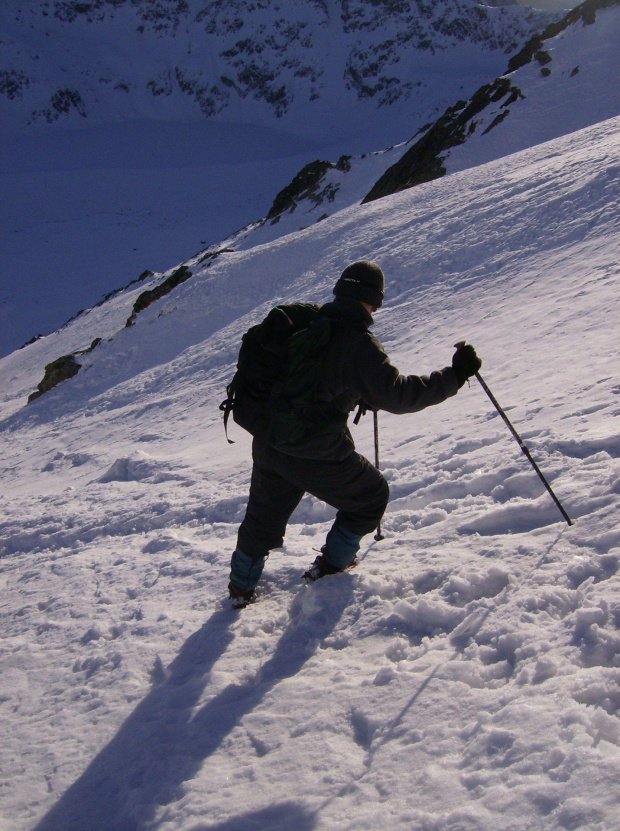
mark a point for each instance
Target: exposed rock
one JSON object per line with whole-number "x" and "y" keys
{"x": 209, "y": 256}
{"x": 497, "y": 120}
{"x": 304, "y": 185}
{"x": 542, "y": 57}
{"x": 60, "y": 370}
{"x": 423, "y": 162}
{"x": 62, "y": 102}
{"x": 585, "y": 12}
{"x": 33, "y": 339}
{"x": 139, "y": 279}
{"x": 178, "y": 276}
{"x": 13, "y": 83}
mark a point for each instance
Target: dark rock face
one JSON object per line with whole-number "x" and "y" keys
{"x": 67, "y": 366}
{"x": 423, "y": 162}
{"x": 585, "y": 12}
{"x": 300, "y": 187}
{"x": 178, "y": 276}
{"x": 307, "y": 185}
{"x": 13, "y": 83}
{"x": 60, "y": 370}
{"x": 62, "y": 102}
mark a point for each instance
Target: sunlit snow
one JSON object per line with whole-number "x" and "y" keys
{"x": 465, "y": 675}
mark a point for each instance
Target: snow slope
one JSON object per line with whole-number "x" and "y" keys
{"x": 135, "y": 133}
{"x": 562, "y": 80}
{"x": 571, "y": 85}
{"x": 301, "y": 62}
{"x": 465, "y": 675}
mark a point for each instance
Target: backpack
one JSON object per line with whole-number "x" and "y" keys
{"x": 273, "y": 394}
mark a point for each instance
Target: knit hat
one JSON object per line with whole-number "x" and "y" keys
{"x": 362, "y": 280}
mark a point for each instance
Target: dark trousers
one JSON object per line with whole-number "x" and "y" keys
{"x": 352, "y": 485}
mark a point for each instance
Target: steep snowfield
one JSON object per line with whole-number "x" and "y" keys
{"x": 135, "y": 133}
{"x": 465, "y": 675}
{"x": 571, "y": 85}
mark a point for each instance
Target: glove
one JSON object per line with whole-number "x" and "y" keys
{"x": 465, "y": 363}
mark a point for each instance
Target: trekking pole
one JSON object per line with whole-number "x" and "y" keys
{"x": 524, "y": 449}
{"x": 375, "y": 418}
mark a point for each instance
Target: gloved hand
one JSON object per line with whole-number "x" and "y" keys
{"x": 465, "y": 363}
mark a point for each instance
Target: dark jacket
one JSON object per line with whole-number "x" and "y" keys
{"x": 357, "y": 369}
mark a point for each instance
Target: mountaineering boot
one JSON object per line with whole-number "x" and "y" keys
{"x": 245, "y": 572}
{"x": 239, "y": 598}
{"x": 337, "y": 554}
{"x": 321, "y": 568}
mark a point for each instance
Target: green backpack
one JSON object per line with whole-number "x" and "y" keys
{"x": 274, "y": 392}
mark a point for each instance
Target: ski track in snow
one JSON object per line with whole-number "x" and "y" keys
{"x": 465, "y": 675}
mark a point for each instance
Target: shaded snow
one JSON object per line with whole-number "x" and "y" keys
{"x": 138, "y": 176}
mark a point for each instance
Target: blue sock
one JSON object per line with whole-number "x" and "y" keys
{"x": 245, "y": 571}
{"x": 341, "y": 546}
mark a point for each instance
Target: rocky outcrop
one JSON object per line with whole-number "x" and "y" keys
{"x": 141, "y": 277}
{"x": 586, "y": 12}
{"x": 60, "y": 370}
{"x": 62, "y": 102}
{"x": 13, "y": 83}
{"x": 178, "y": 276}
{"x": 307, "y": 185}
{"x": 281, "y": 55}
{"x": 423, "y": 162}
{"x": 299, "y": 188}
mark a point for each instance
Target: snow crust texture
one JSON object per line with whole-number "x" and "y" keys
{"x": 465, "y": 675}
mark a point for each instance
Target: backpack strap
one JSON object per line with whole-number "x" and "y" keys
{"x": 227, "y": 405}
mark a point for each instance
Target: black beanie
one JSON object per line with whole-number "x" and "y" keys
{"x": 362, "y": 281}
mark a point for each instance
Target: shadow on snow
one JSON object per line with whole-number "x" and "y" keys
{"x": 165, "y": 742}
{"x": 276, "y": 818}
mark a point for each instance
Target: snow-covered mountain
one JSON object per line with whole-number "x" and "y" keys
{"x": 465, "y": 675}
{"x": 531, "y": 102}
{"x": 111, "y": 60}
{"x": 576, "y": 59}
{"x": 135, "y": 133}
